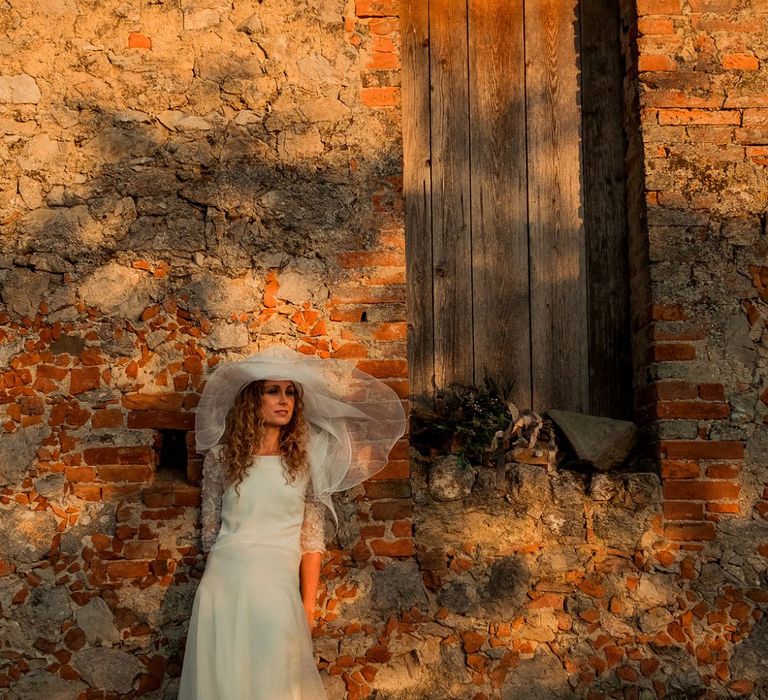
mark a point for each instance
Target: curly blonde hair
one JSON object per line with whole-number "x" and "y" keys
{"x": 244, "y": 430}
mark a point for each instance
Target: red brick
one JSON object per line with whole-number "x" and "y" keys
{"x": 383, "y": 26}
{"x": 647, "y": 27}
{"x": 125, "y": 473}
{"x": 139, "y": 549}
{"x": 592, "y": 588}
{"x": 51, "y": 372}
{"x": 679, "y": 469}
{"x": 627, "y": 673}
{"x": 658, "y": 7}
{"x": 714, "y": 6}
{"x": 161, "y": 420}
{"x": 702, "y": 449}
{"x": 376, "y": 258}
{"x": 472, "y": 641}
{"x": 350, "y": 351}
{"x": 383, "y": 61}
{"x": 723, "y": 471}
{"x": 368, "y": 294}
{"x": 188, "y": 499}
{"x": 139, "y": 41}
{"x": 708, "y": 23}
{"x": 391, "y": 510}
{"x": 692, "y": 532}
{"x": 712, "y": 392}
{"x": 687, "y": 489}
{"x": 380, "y": 96}
{"x": 683, "y": 510}
{"x": 395, "y": 469}
{"x": 739, "y": 61}
{"x": 673, "y": 390}
{"x": 84, "y": 379}
{"x": 80, "y": 474}
{"x": 672, "y": 352}
{"x": 127, "y": 569}
{"x": 699, "y": 116}
{"x": 384, "y": 369}
{"x": 107, "y": 418}
{"x": 647, "y": 63}
{"x": 391, "y": 331}
{"x": 393, "y": 548}
{"x": 153, "y": 402}
{"x": 388, "y": 489}
{"x": 548, "y": 600}
{"x": 377, "y": 8}
{"x": 88, "y": 492}
{"x": 732, "y": 508}
{"x": 694, "y": 410}
{"x": 118, "y": 455}
{"x": 668, "y": 312}
{"x": 403, "y": 528}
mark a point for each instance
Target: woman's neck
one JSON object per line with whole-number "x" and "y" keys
{"x": 270, "y": 443}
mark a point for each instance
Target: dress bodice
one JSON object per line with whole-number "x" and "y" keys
{"x": 268, "y": 509}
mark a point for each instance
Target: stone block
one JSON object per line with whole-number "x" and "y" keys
{"x": 112, "y": 670}
{"x": 19, "y": 89}
{"x": 39, "y": 683}
{"x": 18, "y": 453}
{"x": 26, "y": 535}
{"x": 451, "y": 478}
{"x": 602, "y": 442}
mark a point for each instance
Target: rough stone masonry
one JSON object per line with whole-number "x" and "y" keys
{"x": 185, "y": 182}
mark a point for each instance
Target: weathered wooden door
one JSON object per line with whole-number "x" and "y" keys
{"x": 514, "y": 188}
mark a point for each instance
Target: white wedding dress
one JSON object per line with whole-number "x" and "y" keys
{"x": 248, "y": 636}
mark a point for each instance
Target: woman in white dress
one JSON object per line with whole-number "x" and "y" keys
{"x": 281, "y": 433}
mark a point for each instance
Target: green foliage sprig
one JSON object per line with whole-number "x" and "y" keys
{"x": 463, "y": 419}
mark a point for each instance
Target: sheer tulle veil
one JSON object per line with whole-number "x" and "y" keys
{"x": 354, "y": 419}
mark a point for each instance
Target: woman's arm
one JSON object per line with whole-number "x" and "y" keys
{"x": 309, "y": 580}
{"x": 312, "y": 549}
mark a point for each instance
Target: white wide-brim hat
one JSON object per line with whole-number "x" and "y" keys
{"x": 354, "y": 419}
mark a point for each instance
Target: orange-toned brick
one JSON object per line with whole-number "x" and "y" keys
{"x": 84, "y": 379}
{"x": 138, "y": 41}
{"x": 127, "y": 569}
{"x": 393, "y": 548}
{"x": 649, "y": 63}
{"x": 690, "y": 532}
{"x": 648, "y": 27}
{"x": 380, "y": 96}
{"x": 659, "y": 7}
{"x": 107, "y": 418}
{"x": 739, "y": 61}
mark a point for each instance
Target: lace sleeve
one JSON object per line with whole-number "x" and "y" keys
{"x": 210, "y": 497}
{"x": 313, "y": 527}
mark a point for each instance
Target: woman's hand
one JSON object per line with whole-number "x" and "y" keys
{"x": 309, "y": 611}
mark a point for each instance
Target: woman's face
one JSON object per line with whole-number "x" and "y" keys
{"x": 277, "y": 402}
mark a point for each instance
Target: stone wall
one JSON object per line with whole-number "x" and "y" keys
{"x": 184, "y": 183}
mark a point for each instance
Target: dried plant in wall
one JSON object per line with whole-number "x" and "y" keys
{"x": 460, "y": 420}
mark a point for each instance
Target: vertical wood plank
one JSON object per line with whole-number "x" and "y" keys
{"x": 604, "y": 211}
{"x": 559, "y": 334}
{"x": 499, "y": 214}
{"x": 451, "y": 242}
{"x": 417, "y": 189}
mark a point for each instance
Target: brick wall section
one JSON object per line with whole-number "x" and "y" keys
{"x": 703, "y": 133}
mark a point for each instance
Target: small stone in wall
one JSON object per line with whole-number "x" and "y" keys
{"x": 17, "y": 452}
{"x": 39, "y": 683}
{"x": 19, "y": 89}
{"x": 97, "y": 621}
{"x": 26, "y": 535}
{"x": 226, "y": 335}
{"x": 118, "y": 290}
{"x": 450, "y": 478}
{"x": 107, "y": 669}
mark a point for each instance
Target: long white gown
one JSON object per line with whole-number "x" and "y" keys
{"x": 248, "y": 636}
